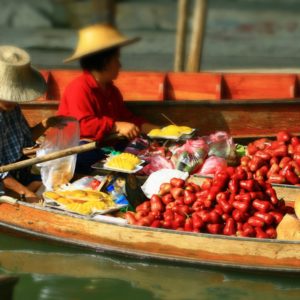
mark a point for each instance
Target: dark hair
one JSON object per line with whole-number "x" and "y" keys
{"x": 97, "y": 61}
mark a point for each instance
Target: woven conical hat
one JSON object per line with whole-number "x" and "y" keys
{"x": 99, "y": 37}
{"x": 19, "y": 82}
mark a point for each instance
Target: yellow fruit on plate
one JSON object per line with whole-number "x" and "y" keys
{"x": 125, "y": 161}
{"x": 51, "y": 195}
{"x": 185, "y": 129}
{"x": 155, "y": 132}
{"x": 129, "y": 156}
{"x": 171, "y": 130}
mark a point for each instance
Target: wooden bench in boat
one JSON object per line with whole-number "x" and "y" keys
{"x": 141, "y": 86}
{"x": 193, "y": 86}
{"x": 160, "y": 86}
{"x": 244, "y": 105}
{"x": 258, "y": 86}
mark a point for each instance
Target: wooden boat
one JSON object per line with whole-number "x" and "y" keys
{"x": 196, "y": 249}
{"x": 242, "y": 104}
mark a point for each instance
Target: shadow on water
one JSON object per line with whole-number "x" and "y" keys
{"x": 51, "y": 272}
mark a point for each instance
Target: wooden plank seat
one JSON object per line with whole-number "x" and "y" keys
{"x": 193, "y": 86}
{"x": 141, "y": 86}
{"x": 259, "y": 86}
{"x": 58, "y": 81}
{"x": 134, "y": 86}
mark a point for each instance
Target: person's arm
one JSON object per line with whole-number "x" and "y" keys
{"x": 81, "y": 105}
{"x": 128, "y": 116}
{"x": 55, "y": 121}
{"x": 127, "y": 119}
{"x": 15, "y": 186}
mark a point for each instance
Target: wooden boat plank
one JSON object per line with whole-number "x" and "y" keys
{"x": 238, "y": 118}
{"x": 155, "y": 243}
{"x": 257, "y": 86}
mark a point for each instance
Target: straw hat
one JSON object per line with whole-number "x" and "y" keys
{"x": 19, "y": 82}
{"x": 96, "y": 38}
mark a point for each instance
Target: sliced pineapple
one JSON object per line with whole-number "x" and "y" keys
{"x": 125, "y": 161}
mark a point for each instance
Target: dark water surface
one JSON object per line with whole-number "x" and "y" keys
{"x": 49, "y": 272}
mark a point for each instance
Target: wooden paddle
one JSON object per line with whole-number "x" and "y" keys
{"x": 49, "y": 156}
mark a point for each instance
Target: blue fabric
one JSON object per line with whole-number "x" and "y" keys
{"x": 15, "y": 135}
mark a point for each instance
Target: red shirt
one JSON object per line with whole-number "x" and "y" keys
{"x": 96, "y": 109}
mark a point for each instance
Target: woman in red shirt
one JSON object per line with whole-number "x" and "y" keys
{"x": 92, "y": 98}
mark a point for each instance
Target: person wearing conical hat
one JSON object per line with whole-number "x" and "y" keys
{"x": 92, "y": 98}
{"x": 19, "y": 83}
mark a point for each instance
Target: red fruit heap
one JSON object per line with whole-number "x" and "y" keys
{"x": 232, "y": 203}
{"x": 275, "y": 161}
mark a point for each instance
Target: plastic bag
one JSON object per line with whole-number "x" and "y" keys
{"x": 220, "y": 144}
{"x": 190, "y": 156}
{"x": 152, "y": 184}
{"x": 156, "y": 163}
{"x": 212, "y": 165}
{"x": 88, "y": 182}
{"x": 61, "y": 170}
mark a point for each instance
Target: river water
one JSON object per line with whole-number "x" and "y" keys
{"x": 49, "y": 272}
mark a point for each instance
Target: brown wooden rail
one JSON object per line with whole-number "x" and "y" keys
{"x": 240, "y": 118}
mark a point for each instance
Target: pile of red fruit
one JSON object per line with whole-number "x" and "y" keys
{"x": 232, "y": 203}
{"x": 275, "y": 161}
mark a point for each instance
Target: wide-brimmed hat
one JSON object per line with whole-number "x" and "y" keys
{"x": 19, "y": 82}
{"x": 99, "y": 37}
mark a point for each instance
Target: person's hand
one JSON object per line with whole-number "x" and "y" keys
{"x": 57, "y": 121}
{"x": 129, "y": 130}
{"x": 28, "y": 196}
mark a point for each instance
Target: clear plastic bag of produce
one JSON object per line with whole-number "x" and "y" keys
{"x": 221, "y": 144}
{"x": 59, "y": 171}
{"x": 190, "y": 156}
{"x": 212, "y": 165}
{"x": 155, "y": 163}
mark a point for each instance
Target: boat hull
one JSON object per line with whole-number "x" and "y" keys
{"x": 159, "y": 244}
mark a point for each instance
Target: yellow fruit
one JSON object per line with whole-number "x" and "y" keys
{"x": 155, "y": 132}
{"x": 172, "y": 130}
{"x": 51, "y": 195}
{"x": 79, "y": 194}
{"x": 125, "y": 161}
{"x": 185, "y": 129}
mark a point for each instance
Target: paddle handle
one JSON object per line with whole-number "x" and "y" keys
{"x": 49, "y": 156}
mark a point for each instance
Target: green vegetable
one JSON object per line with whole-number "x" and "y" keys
{"x": 240, "y": 150}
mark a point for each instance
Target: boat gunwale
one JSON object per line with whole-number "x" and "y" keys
{"x": 153, "y": 257}
{"x": 163, "y": 230}
{"x": 142, "y": 254}
{"x": 228, "y": 102}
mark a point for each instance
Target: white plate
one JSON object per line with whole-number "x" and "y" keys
{"x": 172, "y": 137}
